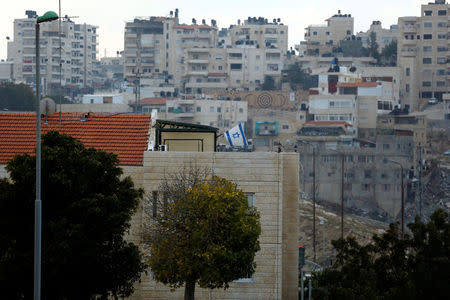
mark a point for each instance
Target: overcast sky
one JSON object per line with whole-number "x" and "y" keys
{"x": 110, "y": 16}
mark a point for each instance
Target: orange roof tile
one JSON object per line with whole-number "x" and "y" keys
{"x": 125, "y": 134}
{"x": 359, "y": 84}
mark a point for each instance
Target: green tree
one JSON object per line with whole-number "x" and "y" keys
{"x": 269, "y": 83}
{"x": 17, "y": 97}
{"x": 373, "y": 46}
{"x": 392, "y": 267}
{"x": 205, "y": 233}
{"x": 87, "y": 208}
{"x": 389, "y": 54}
{"x": 298, "y": 78}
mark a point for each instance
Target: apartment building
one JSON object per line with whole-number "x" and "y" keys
{"x": 422, "y": 54}
{"x": 322, "y": 38}
{"x": 242, "y": 68}
{"x": 260, "y": 33}
{"x": 6, "y": 71}
{"x": 69, "y": 65}
{"x": 154, "y": 48}
{"x": 218, "y": 113}
{"x": 383, "y": 36}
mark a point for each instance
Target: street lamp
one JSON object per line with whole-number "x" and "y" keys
{"x": 47, "y": 17}
{"x": 403, "y": 194}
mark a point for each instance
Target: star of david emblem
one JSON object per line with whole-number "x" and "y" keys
{"x": 236, "y": 135}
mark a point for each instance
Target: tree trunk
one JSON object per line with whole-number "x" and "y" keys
{"x": 189, "y": 290}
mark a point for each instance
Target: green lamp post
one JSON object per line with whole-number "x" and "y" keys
{"x": 47, "y": 17}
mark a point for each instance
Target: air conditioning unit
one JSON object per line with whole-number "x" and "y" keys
{"x": 162, "y": 147}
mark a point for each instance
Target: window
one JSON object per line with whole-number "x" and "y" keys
{"x": 367, "y": 173}
{"x": 408, "y": 70}
{"x": 441, "y": 60}
{"x": 441, "y": 49}
{"x": 440, "y": 72}
{"x": 365, "y": 187}
{"x": 427, "y": 36}
{"x": 427, "y": 48}
{"x": 219, "y": 68}
{"x": 428, "y": 13}
{"x": 250, "y": 199}
{"x": 407, "y": 88}
{"x": 327, "y": 33}
{"x": 385, "y": 146}
{"x": 426, "y": 60}
{"x": 442, "y": 36}
{"x": 236, "y": 67}
{"x": 442, "y": 12}
{"x": 349, "y": 158}
{"x": 199, "y": 109}
{"x": 219, "y": 109}
{"x": 386, "y": 187}
{"x": 211, "y": 109}
{"x": 440, "y": 83}
{"x": 426, "y": 83}
{"x": 241, "y": 110}
{"x": 285, "y": 126}
{"x": 428, "y": 25}
{"x": 314, "y": 32}
{"x": 272, "y": 67}
{"x": 442, "y": 25}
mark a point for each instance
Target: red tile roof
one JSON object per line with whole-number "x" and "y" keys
{"x": 359, "y": 84}
{"x": 125, "y": 134}
{"x": 327, "y": 123}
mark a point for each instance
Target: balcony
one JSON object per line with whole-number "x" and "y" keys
{"x": 198, "y": 50}
{"x": 198, "y": 73}
{"x": 198, "y": 61}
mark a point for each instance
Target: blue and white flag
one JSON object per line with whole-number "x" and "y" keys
{"x": 235, "y": 136}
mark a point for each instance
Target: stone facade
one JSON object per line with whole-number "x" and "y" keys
{"x": 273, "y": 179}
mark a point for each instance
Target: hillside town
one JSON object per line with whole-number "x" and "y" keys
{"x": 355, "y": 123}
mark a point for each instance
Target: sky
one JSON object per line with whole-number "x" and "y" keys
{"x": 110, "y": 16}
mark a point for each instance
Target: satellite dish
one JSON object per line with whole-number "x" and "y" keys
{"x": 47, "y": 106}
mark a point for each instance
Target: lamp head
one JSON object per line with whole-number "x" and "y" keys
{"x": 47, "y": 17}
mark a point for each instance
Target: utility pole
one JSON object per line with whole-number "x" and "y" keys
{"x": 419, "y": 187}
{"x": 314, "y": 202}
{"x": 342, "y": 195}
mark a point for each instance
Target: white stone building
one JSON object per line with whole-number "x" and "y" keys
{"x": 70, "y": 64}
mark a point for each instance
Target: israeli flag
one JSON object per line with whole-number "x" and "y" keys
{"x": 236, "y": 136}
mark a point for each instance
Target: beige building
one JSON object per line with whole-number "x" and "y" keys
{"x": 154, "y": 48}
{"x": 322, "y": 38}
{"x": 79, "y": 48}
{"x": 218, "y": 113}
{"x": 383, "y": 36}
{"x": 422, "y": 54}
{"x": 260, "y": 33}
{"x": 271, "y": 180}
{"x": 242, "y": 68}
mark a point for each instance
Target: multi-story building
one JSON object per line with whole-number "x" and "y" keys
{"x": 6, "y": 71}
{"x": 66, "y": 58}
{"x": 383, "y": 36}
{"x": 154, "y": 48}
{"x": 260, "y": 33}
{"x": 322, "y": 38}
{"x": 422, "y": 54}
{"x": 242, "y": 68}
{"x": 218, "y": 113}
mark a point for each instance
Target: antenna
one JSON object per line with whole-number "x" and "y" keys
{"x": 60, "y": 56}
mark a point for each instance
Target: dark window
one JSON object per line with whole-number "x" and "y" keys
{"x": 199, "y": 109}
{"x": 367, "y": 173}
{"x": 426, "y": 60}
{"x": 408, "y": 71}
{"x": 428, "y": 13}
{"x": 442, "y": 12}
{"x": 427, "y": 36}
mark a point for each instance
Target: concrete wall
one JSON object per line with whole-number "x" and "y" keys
{"x": 273, "y": 178}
